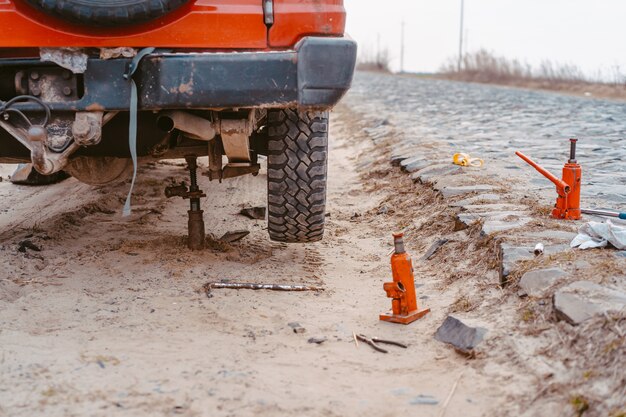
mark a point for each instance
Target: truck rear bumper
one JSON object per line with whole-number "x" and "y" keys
{"x": 316, "y": 74}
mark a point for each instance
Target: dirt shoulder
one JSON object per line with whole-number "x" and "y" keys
{"x": 108, "y": 318}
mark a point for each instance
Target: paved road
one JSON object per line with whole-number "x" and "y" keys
{"x": 492, "y": 122}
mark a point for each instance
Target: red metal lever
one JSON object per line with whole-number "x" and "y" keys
{"x": 560, "y": 184}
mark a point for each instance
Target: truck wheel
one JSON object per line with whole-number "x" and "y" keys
{"x": 296, "y": 174}
{"x": 109, "y": 12}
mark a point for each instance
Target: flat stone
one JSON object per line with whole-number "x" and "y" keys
{"x": 482, "y": 208}
{"x": 477, "y": 199}
{"x": 430, "y": 173}
{"x": 434, "y": 248}
{"x": 410, "y": 160}
{"x": 255, "y": 213}
{"x": 535, "y": 283}
{"x": 424, "y": 400}
{"x": 317, "y": 340}
{"x": 582, "y": 300}
{"x": 496, "y": 221}
{"x": 560, "y": 235}
{"x": 621, "y": 254}
{"x": 417, "y": 165}
{"x": 397, "y": 159}
{"x": 448, "y": 192}
{"x": 456, "y": 333}
{"x": 234, "y": 236}
{"x": 493, "y": 226}
{"x": 509, "y": 256}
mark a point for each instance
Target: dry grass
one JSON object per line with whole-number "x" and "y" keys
{"x": 485, "y": 67}
{"x": 378, "y": 61}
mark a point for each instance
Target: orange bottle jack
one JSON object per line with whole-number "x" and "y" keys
{"x": 404, "y": 307}
{"x": 567, "y": 204}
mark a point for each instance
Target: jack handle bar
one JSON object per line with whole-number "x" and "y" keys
{"x": 560, "y": 184}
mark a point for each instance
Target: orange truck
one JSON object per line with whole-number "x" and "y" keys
{"x": 95, "y": 87}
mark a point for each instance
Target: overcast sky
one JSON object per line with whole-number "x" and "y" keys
{"x": 588, "y": 33}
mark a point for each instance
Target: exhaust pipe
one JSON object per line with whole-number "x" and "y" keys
{"x": 193, "y": 126}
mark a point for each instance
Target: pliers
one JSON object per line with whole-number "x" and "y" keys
{"x": 372, "y": 341}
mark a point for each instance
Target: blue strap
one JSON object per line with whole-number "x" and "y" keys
{"x": 132, "y": 125}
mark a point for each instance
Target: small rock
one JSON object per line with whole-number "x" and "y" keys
{"x": 448, "y": 192}
{"x": 621, "y": 254}
{"x": 317, "y": 340}
{"x": 255, "y": 213}
{"x": 234, "y": 236}
{"x": 27, "y": 244}
{"x": 464, "y": 338}
{"x": 534, "y": 283}
{"x": 582, "y": 300}
{"x": 383, "y": 210}
{"x": 296, "y": 327}
{"x": 424, "y": 400}
{"x": 434, "y": 248}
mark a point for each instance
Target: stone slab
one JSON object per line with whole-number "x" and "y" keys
{"x": 476, "y": 199}
{"x": 448, "y": 192}
{"x": 535, "y": 283}
{"x": 456, "y": 333}
{"x": 428, "y": 174}
{"x": 582, "y": 300}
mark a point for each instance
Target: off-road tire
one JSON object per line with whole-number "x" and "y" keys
{"x": 109, "y": 12}
{"x": 296, "y": 175}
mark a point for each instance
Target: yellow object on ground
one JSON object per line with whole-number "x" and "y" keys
{"x": 465, "y": 160}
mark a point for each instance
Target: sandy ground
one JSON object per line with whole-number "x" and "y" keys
{"x": 108, "y": 318}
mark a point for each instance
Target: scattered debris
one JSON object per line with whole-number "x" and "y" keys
{"x": 373, "y": 342}
{"x": 234, "y": 236}
{"x": 582, "y": 300}
{"x": 296, "y": 327}
{"x": 424, "y": 400}
{"x": 442, "y": 412}
{"x": 599, "y": 235}
{"x": 465, "y": 160}
{"x": 434, "y": 248}
{"x": 462, "y": 337}
{"x": 250, "y": 286}
{"x": 317, "y": 340}
{"x": 28, "y": 244}
{"x": 254, "y": 213}
{"x": 534, "y": 283}
{"x": 539, "y": 249}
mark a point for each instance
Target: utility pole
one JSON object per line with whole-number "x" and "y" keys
{"x": 378, "y": 63}
{"x": 461, "y": 35}
{"x": 402, "y": 49}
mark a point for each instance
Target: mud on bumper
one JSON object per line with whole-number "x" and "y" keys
{"x": 315, "y": 74}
